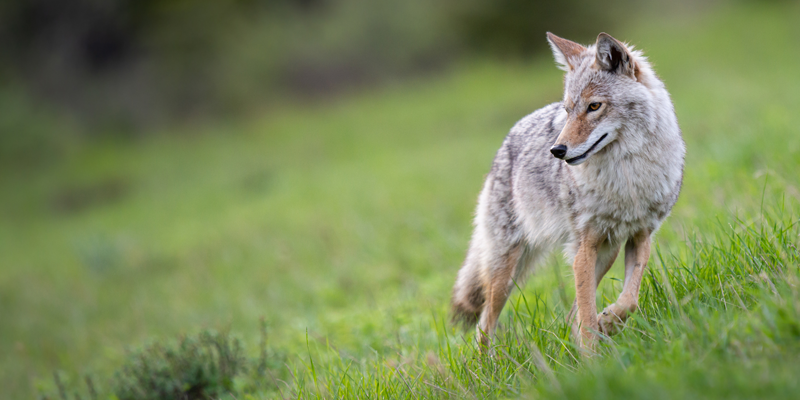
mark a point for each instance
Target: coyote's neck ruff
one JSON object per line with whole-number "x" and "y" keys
{"x": 602, "y": 168}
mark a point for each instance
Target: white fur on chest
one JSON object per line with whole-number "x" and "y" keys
{"x": 621, "y": 196}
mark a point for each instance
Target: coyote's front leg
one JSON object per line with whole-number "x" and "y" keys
{"x": 637, "y": 252}
{"x": 586, "y": 287}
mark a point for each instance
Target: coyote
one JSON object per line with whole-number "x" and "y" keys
{"x": 600, "y": 168}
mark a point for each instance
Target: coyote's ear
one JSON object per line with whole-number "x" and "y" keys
{"x": 566, "y": 52}
{"x": 613, "y": 56}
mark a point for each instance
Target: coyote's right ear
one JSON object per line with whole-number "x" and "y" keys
{"x": 566, "y": 52}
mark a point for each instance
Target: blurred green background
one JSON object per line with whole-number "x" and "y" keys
{"x": 126, "y": 66}
{"x": 168, "y": 166}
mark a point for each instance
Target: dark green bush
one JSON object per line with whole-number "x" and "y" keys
{"x": 201, "y": 366}
{"x": 196, "y": 367}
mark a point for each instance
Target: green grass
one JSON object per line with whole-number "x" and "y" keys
{"x": 343, "y": 226}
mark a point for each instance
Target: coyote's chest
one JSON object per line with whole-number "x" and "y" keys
{"x": 623, "y": 198}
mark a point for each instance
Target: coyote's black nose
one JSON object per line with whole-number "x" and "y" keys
{"x": 559, "y": 150}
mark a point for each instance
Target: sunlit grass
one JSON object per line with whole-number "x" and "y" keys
{"x": 719, "y": 320}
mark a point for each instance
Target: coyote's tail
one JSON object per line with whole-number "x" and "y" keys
{"x": 468, "y": 294}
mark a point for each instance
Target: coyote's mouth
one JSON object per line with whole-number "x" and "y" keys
{"x": 582, "y": 156}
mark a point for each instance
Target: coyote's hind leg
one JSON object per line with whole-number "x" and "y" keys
{"x": 498, "y": 287}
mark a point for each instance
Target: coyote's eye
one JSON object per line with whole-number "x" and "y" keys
{"x": 594, "y": 107}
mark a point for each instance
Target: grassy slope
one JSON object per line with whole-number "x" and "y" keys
{"x": 350, "y": 221}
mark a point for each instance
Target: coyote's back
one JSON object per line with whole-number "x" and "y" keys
{"x": 497, "y": 224}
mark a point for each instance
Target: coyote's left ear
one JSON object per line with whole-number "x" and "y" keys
{"x": 613, "y": 56}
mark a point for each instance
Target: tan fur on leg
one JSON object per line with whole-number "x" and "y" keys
{"x": 586, "y": 287}
{"x": 602, "y": 266}
{"x": 637, "y": 253}
{"x": 499, "y": 288}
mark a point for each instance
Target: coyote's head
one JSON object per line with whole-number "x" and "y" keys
{"x": 604, "y": 97}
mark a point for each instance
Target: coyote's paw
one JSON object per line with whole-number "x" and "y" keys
{"x": 612, "y": 319}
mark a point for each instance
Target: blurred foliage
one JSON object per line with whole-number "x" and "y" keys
{"x": 124, "y": 65}
{"x": 200, "y": 367}
{"x": 515, "y": 27}
{"x": 28, "y": 128}
{"x": 207, "y": 365}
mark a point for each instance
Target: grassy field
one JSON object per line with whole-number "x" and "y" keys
{"x": 342, "y": 227}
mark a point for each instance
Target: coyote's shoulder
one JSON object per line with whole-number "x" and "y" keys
{"x": 601, "y": 168}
